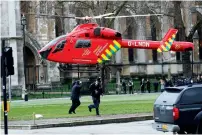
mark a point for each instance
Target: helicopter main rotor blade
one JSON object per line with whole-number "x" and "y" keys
{"x": 48, "y": 15}
{"x": 94, "y": 17}
{"x": 125, "y": 16}
{"x": 100, "y": 16}
{"x": 83, "y": 18}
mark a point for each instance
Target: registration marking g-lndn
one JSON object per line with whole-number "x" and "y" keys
{"x": 138, "y": 43}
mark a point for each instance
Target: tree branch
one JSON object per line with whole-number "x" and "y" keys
{"x": 193, "y": 29}
{"x": 106, "y": 7}
{"x": 117, "y": 12}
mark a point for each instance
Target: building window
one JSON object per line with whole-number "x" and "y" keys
{"x": 83, "y": 44}
{"x": 43, "y": 7}
{"x": 50, "y": 7}
{"x": 58, "y": 26}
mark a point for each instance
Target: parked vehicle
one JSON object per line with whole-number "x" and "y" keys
{"x": 179, "y": 110}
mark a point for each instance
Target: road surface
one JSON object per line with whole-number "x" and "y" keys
{"x": 142, "y": 127}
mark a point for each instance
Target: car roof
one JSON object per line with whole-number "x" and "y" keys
{"x": 185, "y": 86}
{"x": 196, "y": 85}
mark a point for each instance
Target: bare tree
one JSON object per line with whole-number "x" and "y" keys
{"x": 94, "y": 8}
{"x": 182, "y": 37}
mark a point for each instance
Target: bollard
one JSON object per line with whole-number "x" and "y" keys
{"x": 8, "y": 106}
{"x": 26, "y": 97}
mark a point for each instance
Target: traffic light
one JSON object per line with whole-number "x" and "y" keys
{"x": 8, "y": 53}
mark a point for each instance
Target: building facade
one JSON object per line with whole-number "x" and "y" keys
{"x": 46, "y": 20}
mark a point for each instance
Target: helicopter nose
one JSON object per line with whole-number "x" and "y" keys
{"x": 44, "y": 54}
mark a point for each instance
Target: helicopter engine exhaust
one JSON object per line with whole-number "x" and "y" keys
{"x": 107, "y": 33}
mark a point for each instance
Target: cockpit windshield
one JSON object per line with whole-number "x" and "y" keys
{"x": 60, "y": 45}
{"x": 54, "y": 41}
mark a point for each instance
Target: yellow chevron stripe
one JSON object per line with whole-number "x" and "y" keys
{"x": 170, "y": 40}
{"x": 159, "y": 50}
{"x": 167, "y": 44}
{"x": 163, "y": 47}
{"x": 114, "y": 49}
{"x": 117, "y": 43}
{"x": 108, "y": 52}
{"x": 104, "y": 57}
{"x": 99, "y": 60}
{"x": 173, "y": 36}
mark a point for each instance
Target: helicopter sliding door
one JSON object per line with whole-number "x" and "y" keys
{"x": 93, "y": 51}
{"x": 83, "y": 51}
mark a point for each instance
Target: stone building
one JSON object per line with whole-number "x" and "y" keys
{"x": 45, "y": 21}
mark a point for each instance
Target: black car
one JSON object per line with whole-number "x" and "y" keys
{"x": 179, "y": 110}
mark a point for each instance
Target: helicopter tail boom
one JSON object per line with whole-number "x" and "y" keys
{"x": 167, "y": 43}
{"x": 154, "y": 45}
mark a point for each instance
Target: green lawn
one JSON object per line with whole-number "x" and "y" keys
{"x": 58, "y": 108}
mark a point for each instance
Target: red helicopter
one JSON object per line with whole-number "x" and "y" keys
{"x": 91, "y": 44}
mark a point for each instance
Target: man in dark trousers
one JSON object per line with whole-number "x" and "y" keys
{"x": 75, "y": 95}
{"x": 130, "y": 85}
{"x": 124, "y": 86}
{"x": 96, "y": 91}
{"x": 148, "y": 86}
{"x": 142, "y": 84}
{"x": 156, "y": 85}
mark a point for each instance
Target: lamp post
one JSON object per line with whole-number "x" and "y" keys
{"x": 23, "y": 23}
{"x": 196, "y": 44}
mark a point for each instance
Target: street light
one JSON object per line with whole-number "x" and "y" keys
{"x": 23, "y": 23}
{"x": 23, "y": 20}
{"x": 196, "y": 43}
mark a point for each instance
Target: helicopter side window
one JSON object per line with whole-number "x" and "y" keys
{"x": 60, "y": 46}
{"x": 83, "y": 44}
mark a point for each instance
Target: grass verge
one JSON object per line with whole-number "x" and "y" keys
{"x": 110, "y": 105}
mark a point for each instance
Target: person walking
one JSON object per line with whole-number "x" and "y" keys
{"x": 124, "y": 86}
{"x": 130, "y": 85}
{"x": 162, "y": 85}
{"x": 96, "y": 92}
{"x": 198, "y": 79}
{"x": 148, "y": 86}
{"x": 75, "y": 96}
{"x": 142, "y": 85}
{"x": 156, "y": 85}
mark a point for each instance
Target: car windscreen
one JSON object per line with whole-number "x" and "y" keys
{"x": 168, "y": 97}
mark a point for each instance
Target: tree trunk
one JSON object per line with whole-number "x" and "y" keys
{"x": 182, "y": 37}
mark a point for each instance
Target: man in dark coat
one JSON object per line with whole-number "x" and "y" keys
{"x": 124, "y": 86}
{"x": 130, "y": 85}
{"x": 96, "y": 91}
{"x": 148, "y": 86}
{"x": 156, "y": 85}
{"x": 142, "y": 84}
{"x": 75, "y": 96}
